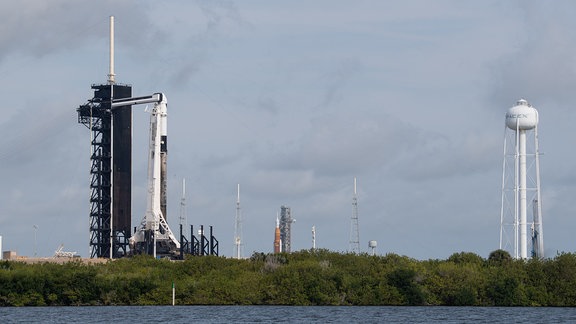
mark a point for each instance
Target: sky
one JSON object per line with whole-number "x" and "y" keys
{"x": 292, "y": 100}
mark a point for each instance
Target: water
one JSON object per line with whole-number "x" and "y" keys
{"x": 285, "y": 314}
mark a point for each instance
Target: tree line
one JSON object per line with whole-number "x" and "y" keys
{"x": 308, "y": 277}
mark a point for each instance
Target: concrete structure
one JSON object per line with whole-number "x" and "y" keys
{"x": 9, "y": 255}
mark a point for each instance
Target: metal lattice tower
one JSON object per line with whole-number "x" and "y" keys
{"x": 354, "y": 229}
{"x": 98, "y": 120}
{"x": 285, "y": 228}
{"x": 238, "y": 228}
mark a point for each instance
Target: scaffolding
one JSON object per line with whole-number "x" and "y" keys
{"x": 286, "y": 221}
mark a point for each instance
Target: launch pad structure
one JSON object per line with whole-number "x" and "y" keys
{"x": 286, "y": 221}
{"x": 108, "y": 116}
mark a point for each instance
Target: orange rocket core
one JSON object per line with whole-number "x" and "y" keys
{"x": 277, "y": 237}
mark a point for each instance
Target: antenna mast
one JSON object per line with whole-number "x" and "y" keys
{"x": 111, "y": 83}
{"x": 183, "y": 205}
{"x": 354, "y": 231}
{"x": 238, "y": 228}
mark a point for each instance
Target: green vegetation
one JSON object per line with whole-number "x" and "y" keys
{"x": 318, "y": 277}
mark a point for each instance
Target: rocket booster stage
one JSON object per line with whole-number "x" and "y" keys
{"x": 277, "y": 237}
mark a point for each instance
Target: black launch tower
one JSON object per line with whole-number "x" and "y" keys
{"x": 110, "y": 170}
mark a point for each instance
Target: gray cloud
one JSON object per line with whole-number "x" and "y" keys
{"x": 39, "y": 28}
{"x": 336, "y": 80}
{"x": 439, "y": 157}
{"x": 195, "y": 46}
{"x": 543, "y": 65}
{"x": 346, "y": 143}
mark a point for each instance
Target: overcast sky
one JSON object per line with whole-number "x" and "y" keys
{"x": 292, "y": 100}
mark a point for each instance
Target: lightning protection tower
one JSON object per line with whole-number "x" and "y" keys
{"x": 354, "y": 230}
{"x": 183, "y": 217}
{"x": 521, "y": 183}
{"x": 238, "y": 228}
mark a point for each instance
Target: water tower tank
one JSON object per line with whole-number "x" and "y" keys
{"x": 522, "y": 116}
{"x": 372, "y": 244}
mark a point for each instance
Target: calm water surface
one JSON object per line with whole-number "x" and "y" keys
{"x": 284, "y": 314}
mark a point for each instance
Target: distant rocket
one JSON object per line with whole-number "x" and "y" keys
{"x": 277, "y": 237}
{"x": 163, "y": 164}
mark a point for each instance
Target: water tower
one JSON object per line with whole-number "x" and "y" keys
{"x": 373, "y": 244}
{"x": 521, "y": 183}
